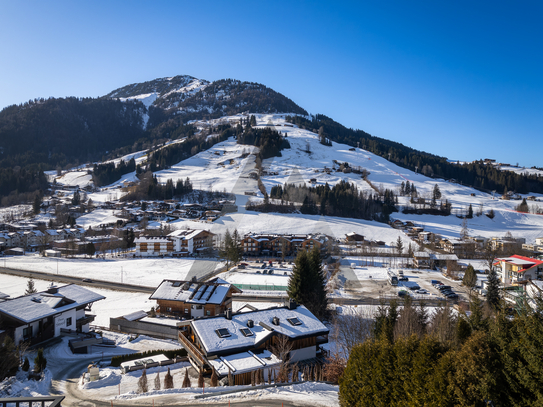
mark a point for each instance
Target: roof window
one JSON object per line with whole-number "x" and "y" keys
{"x": 222, "y": 333}
{"x": 294, "y": 321}
{"x": 246, "y": 332}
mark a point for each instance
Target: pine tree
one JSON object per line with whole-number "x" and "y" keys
{"x": 470, "y": 212}
{"x": 299, "y": 283}
{"x": 399, "y": 245}
{"x": 157, "y": 381}
{"x": 30, "y": 288}
{"x": 493, "y": 290}
{"x": 319, "y": 304}
{"x": 37, "y": 204}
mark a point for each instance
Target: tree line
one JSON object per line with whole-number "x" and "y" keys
{"x": 476, "y": 174}
{"x": 343, "y": 200}
{"x": 108, "y": 173}
{"x": 485, "y": 357}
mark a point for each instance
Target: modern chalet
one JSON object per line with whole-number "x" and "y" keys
{"x": 248, "y": 341}
{"x": 190, "y": 299}
{"x": 45, "y": 315}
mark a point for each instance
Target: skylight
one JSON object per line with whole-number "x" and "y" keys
{"x": 294, "y": 321}
{"x": 222, "y": 333}
{"x": 176, "y": 284}
{"x": 246, "y": 332}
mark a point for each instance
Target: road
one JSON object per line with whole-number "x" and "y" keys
{"x": 77, "y": 280}
{"x": 67, "y": 372}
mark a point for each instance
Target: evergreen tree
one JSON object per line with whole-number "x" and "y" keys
{"x": 493, "y": 290}
{"x": 319, "y": 300}
{"x": 90, "y": 250}
{"x": 157, "y": 381}
{"x": 37, "y": 204}
{"x": 30, "y": 288}
{"x": 470, "y": 212}
{"x": 470, "y": 277}
{"x": 300, "y": 282}
{"x": 40, "y": 362}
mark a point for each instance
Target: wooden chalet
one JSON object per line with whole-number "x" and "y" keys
{"x": 190, "y": 299}
{"x": 245, "y": 342}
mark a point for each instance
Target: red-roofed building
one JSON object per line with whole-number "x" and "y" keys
{"x": 517, "y": 268}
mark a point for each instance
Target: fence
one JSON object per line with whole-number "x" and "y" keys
{"x": 262, "y": 287}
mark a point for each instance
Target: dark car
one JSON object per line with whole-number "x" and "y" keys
{"x": 447, "y": 292}
{"x": 452, "y": 296}
{"x": 436, "y": 282}
{"x": 87, "y": 280}
{"x": 444, "y": 287}
{"x": 402, "y": 293}
{"x": 403, "y": 279}
{"x": 414, "y": 287}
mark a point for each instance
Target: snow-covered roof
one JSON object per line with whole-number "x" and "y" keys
{"x": 2, "y": 295}
{"x": 244, "y": 362}
{"x": 211, "y": 292}
{"x": 33, "y": 307}
{"x": 262, "y": 329}
{"x": 421, "y": 254}
{"x": 133, "y": 316}
{"x": 444, "y": 256}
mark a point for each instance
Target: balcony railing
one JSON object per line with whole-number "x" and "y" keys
{"x": 32, "y": 401}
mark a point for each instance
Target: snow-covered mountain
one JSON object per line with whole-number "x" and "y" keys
{"x": 195, "y": 99}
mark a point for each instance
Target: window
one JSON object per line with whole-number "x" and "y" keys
{"x": 222, "y": 333}
{"x": 25, "y": 332}
{"x": 208, "y": 313}
{"x": 294, "y": 321}
{"x": 186, "y": 310}
{"x": 69, "y": 321}
{"x": 176, "y": 284}
{"x": 246, "y": 332}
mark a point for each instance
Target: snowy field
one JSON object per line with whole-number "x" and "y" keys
{"x": 139, "y": 271}
{"x": 222, "y": 168}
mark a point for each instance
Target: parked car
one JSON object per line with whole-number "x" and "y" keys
{"x": 444, "y": 287}
{"x": 452, "y": 296}
{"x": 436, "y": 282}
{"x": 422, "y": 291}
{"x": 270, "y": 271}
{"x": 446, "y": 292}
{"x": 403, "y": 279}
{"x": 402, "y": 293}
{"x": 414, "y": 287}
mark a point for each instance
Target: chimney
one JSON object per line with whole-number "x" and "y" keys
{"x": 228, "y": 314}
{"x": 275, "y": 321}
{"x": 291, "y": 304}
{"x": 52, "y": 289}
{"x": 250, "y": 323}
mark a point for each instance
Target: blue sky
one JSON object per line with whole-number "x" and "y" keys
{"x": 460, "y": 79}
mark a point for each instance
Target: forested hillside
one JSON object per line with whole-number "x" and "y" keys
{"x": 476, "y": 174}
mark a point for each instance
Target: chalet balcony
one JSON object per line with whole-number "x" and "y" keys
{"x": 87, "y": 319}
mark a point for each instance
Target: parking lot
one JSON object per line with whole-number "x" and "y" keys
{"x": 373, "y": 282}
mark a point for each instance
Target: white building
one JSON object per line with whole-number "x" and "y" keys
{"x": 41, "y": 316}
